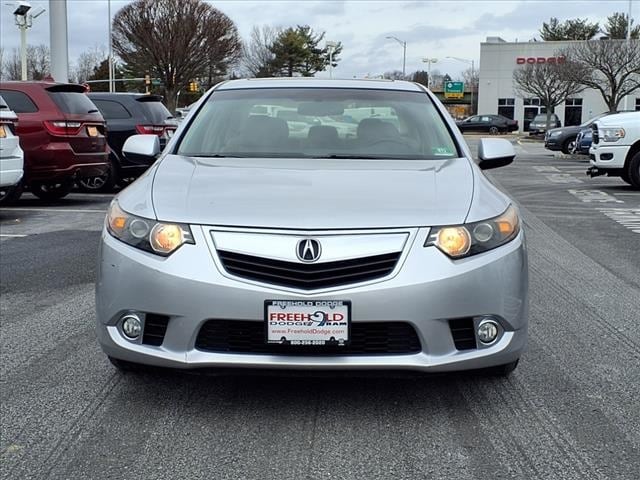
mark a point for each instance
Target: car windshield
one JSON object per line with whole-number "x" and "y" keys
{"x": 319, "y": 123}
{"x": 542, "y": 117}
{"x": 591, "y": 120}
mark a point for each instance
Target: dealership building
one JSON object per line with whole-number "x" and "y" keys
{"x": 496, "y": 93}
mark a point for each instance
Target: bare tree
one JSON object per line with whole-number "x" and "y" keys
{"x": 257, "y": 54}
{"x": 88, "y": 62}
{"x": 610, "y": 66}
{"x": 552, "y": 83}
{"x": 393, "y": 75}
{"x": 38, "y": 63}
{"x": 12, "y": 66}
{"x": 175, "y": 40}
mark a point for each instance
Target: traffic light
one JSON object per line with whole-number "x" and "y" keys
{"x": 193, "y": 87}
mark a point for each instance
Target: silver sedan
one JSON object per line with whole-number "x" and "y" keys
{"x": 253, "y": 244}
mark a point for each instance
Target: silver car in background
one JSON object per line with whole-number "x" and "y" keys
{"x": 11, "y": 155}
{"x": 365, "y": 238}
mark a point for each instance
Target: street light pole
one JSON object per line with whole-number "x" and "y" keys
{"x": 24, "y": 20}
{"x": 429, "y": 61}
{"x": 23, "y": 48}
{"x": 404, "y": 54}
{"x": 331, "y": 45}
{"x": 473, "y": 75}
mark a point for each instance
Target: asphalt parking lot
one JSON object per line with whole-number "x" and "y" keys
{"x": 570, "y": 410}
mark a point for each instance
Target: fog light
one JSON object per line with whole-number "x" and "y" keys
{"x": 487, "y": 331}
{"x": 131, "y": 326}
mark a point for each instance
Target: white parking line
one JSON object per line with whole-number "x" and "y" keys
{"x": 10, "y": 235}
{"x": 627, "y": 217}
{"x": 62, "y": 210}
{"x": 594, "y": 196}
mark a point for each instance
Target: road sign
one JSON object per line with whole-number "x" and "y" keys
{"x": 156, "y": 82}
{"x": 454, "y": 90}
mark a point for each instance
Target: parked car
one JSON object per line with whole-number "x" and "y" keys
{"x": 582, "y": 143}
{"x": 61, "y": 132}
{"x": 539, "y": 123}
{"x": 492, "y": 124}
{"x": 564, "y": 138}
{"x": 615, "y": 149}
{"x": 128, "y": 114}
{"x": 246, "y": 247}
{"x": 11, "y": 156}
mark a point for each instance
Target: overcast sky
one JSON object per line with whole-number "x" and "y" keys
{"x": 431, "y": 28}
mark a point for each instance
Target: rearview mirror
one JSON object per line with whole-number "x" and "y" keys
{"x": 495, "y": 152}
{"x": 146, "y": 146}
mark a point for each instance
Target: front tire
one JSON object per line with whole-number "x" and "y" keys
{"x": 494, "y": 130}
{"x": 569, "y": 145}
{"x": 633, "y": 171}
{"x": 102, "y": 184}
{"x": 51, "y": 190}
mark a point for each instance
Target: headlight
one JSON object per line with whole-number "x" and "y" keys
{"x": 472, "y": 238}
{"x": 150, "y": 235}
{"x": 611, "y": 134}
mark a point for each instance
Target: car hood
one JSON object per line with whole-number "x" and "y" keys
{"x": 312, "y": 194}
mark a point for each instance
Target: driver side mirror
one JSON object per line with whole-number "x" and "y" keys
{"x": 144, "y": 147}
{"x": 495, "y": 153}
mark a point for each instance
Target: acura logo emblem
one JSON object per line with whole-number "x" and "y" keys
{"x": 308, "y": 250}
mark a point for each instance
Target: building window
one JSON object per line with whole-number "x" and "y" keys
{"x": 572, "y": 112}
{"x": 506, "y": 107}
{"x": 638, "y": 104}
{"x": 532, "y": 108}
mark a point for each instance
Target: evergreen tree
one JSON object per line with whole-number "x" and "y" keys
{"x": 296, "y": 51}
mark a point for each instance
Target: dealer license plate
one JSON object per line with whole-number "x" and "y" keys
{"x": 308, "y": 322}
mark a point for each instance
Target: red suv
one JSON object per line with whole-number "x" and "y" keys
{"x": 62, "y": 134}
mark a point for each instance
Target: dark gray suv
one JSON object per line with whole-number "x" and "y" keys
{"x": 128, "y": 114}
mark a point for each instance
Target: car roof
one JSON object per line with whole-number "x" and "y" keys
{"x": 310, "y": 82}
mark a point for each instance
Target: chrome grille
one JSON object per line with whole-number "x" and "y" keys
{"x": 308, "y": 276}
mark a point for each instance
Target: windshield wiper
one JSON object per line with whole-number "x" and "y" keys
{"x": 212, "y": 155}
{"x": 350, "y": 157}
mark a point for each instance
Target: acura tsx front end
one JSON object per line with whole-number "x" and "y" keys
{"x": 315, "y": 225}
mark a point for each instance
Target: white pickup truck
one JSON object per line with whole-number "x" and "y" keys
{"x": 615, "y": 150}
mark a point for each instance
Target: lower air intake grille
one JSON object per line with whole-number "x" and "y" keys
{"x": 463, "y": 333}
{"x": 308, "y": 276}
{"x": 155, "y": 327}
{"x": 367, "y": 338}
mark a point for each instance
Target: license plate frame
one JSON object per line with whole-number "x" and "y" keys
{"x": 301, "y": 331}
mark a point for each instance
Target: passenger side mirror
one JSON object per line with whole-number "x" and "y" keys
{"x": 495, "y": 152}
{"x": 147, "y": 146}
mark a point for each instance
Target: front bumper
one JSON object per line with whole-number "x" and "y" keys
{"x": 426, "y": 291}
{"x": 605, "y": 156}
